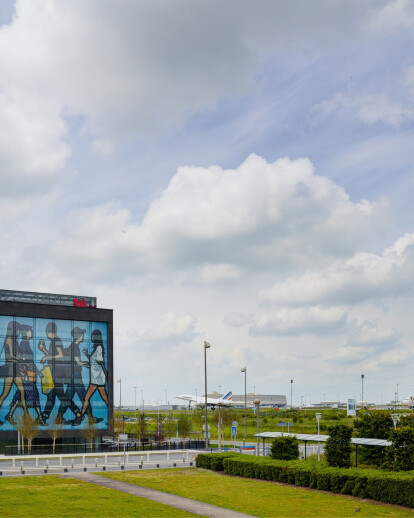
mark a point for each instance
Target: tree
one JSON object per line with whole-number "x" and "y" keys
{"x": 160, "y": 428}
{"x": 400, "y": 456}
{"x": 90, "y": 432}
{"x": 228, "y": 415}
{"x": 285, "y": 448}
{"x": 142, "y": 428}
{"x": 338, "y": 446}
{"x": 55, "y": 429}
{"x": 184, "y": 426}
{"x": 170, "y": 428}
{"x": 198, "y": 419}
{"x": 28, "y": 429}
{"x": 378, "y": 426}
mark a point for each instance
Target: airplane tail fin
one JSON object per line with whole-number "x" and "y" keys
{"x": 228, "y": 396}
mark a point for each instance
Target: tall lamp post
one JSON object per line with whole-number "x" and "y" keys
{"x": 206, "y": 346}
{"x": 120, "y": 387}
{"x": 397, "y": 401}
{"x": 142, "y": 397}
{"x": 219, "y": 404}
{"x": 135, "y": 388}
{"x": 318, "y": 416}
{"x": 362, "y": 390}
{"x": 257, "y": 403}
{"x": 291, "y": 384}
{"x": 244, "y": 369}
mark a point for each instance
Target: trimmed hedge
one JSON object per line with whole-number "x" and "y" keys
{"x": 213, "y": 461}
{"x": 388, "y": 487}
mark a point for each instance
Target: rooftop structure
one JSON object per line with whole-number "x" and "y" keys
{"x": 47, "y": 298}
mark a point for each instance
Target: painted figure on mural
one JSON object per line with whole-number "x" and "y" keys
{"x": 9, "y": 370}
{"x": 28, "y": 372}
{"x": 73, "y": 355}
{"x": 97, "y": 372}
{"x": 60, "y": 374}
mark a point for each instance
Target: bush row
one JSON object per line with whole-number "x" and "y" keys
{"x": 213, "y": 461}
{"x": 387, "y": 487}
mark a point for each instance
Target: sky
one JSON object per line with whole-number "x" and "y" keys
{"x": 237, "y": 172}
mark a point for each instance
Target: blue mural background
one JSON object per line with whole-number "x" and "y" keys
{"x": 75, "y": 353}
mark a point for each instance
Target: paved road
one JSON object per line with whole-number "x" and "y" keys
{"x": 186, "y": 504}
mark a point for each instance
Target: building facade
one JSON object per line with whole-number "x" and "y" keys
{"x": 56, "y": 363}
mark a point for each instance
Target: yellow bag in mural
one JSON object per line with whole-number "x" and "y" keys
{"x": 47, "y": 380}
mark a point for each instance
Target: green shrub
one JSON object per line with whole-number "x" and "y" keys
{"x": 400, "y": 455}
{"x": 338, "y": 446}
{"x": 284, "y": 448}
{"x": 387, "y": 487}
{"x": 213, "y": 461}
{"x": 379, "y": 426}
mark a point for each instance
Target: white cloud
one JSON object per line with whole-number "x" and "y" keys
{"x": 220, "y": 273}
{"x": 369, "y": 108}
{"x": 238, "y": 319}
{"x": 227, "y": 223}
{"x": 368, "y": 333}
{"x": 298, "y": 321}
{"x": 134, "y": 70}
{"x": 173, "y": 328}
{"x": 395, "y": 15}
{"x": 31, "y": 148}
{"x": 104, "y": 147}
{"x": 363, "y": 277}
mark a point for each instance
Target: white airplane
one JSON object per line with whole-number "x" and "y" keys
{"x": 211, "y": 402}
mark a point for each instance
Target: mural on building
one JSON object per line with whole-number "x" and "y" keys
{"x": 53, "y": 370}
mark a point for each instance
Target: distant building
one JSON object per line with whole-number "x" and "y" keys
{"x": 273, "y": 400}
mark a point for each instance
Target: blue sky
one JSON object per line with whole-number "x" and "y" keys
{"x": 239, "y": 173}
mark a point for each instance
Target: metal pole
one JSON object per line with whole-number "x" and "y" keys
{"x": 219, "y": 428}
{"x": 245, "y": 406}
{"x": 206, "y": 346}
{"x": 135, "y": 403}
{"x": 318, "y": 416}
{"x": 257, "y": 403}
{"x": 362, "y": 387}
{"x": 291, "y": 383}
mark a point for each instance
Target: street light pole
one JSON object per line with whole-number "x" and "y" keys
{"x": 219, "y": 404}
{"x": 244, "y": 369}
{"x": 318, "y": 416}
{"x": 206, "y": 346}
{"x": 291, "y": 384}
{"x": 142, "y": 397}
{"x": 135, "y": 388}
{"x": 362, "y": 388}
{"x": 397, "y": 394}
{"x": 257, "y": 403}
{"x": 120, "y": 386}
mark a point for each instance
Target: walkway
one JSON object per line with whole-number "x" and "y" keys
{"x": 185, "y": 504}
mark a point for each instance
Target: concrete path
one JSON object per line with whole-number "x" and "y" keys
{"x": 186, "y": 504}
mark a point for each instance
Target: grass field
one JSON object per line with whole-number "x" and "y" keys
{"x": 54, "y": 497}
{"x": 255, "y": 497}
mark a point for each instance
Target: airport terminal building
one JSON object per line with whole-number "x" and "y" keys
{"x": 270, "y": 400}
{"x": 56, "y": 363}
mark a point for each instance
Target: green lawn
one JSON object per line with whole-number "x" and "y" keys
{"x": 54, "y": 497}
{"x": 255, "y": 497}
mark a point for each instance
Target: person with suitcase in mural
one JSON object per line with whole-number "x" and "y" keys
{"x": 27, "y": 371}
{"x": 9, "y": 370}
{"x": 60, "y": 374}
{"x": 73, "y": 354}
{"x": 97, "y": 372}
